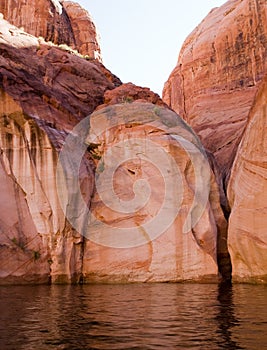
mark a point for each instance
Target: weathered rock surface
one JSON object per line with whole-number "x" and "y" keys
{"x": 62, "y": 22}
{"x": 84, "y": 30}
{"x": 216, "y": 77}
{"x": 45, "y": 92}
{"x": 167, "y": 232}
{"x": 247, "y": 193}
{"x": 51, "y": 84}
{"x": 37, "y": 244}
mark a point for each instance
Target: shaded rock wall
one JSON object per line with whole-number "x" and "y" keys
{"x": 52, "y": 85}
{"x": 37, "y": 242}
{"x": 247, "y": 193}
{"x": 45, "y": 93}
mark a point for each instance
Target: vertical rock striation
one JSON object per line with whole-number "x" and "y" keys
{"x": 37, "y": 242}
{"x": 45, "y": 92}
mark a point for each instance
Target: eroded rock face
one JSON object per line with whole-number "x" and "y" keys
{"x": 31, "y": 220}
{"x": 247, "y": 192}
{"x": 165, "y": 232}
{"x": 216, "y": 77}
{"x": 51, "y": 85}
{"x": 45, "y": 92}
{"x": 62, "y": 22}
{"x": 38, "y": 244}
{"x": 84, "y": 30}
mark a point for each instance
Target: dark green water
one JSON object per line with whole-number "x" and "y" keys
{"x": 136, "y": 316}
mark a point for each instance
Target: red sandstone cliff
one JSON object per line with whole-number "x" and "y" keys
{"x": 247, "y": 193}
{"x": 62, "y": 22}
{"x": 45, "y": 92}
{"x": 49, "y": 81}
{"x": 217, "y": 88}
{"x": 216, "y": 77}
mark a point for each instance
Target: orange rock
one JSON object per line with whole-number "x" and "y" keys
{"x": 156, "y": 203}
{"x": 24, "y": 256}
{"x": 37, "y": 242}
{"x": 216, "y": 77}
{"x": 247, "y": 192}
{"x": 45, "y": 92}
{"x": 62, "y": 22}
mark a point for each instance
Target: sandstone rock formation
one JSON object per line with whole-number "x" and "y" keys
{"x": 127, "y": 194}
{"x": 37, "y": 242}
{"x": 127, "y": 93}
{"x": 45, "y": 91}
{"x": 216, "y": 77}
{"x": 247, "y": 192}
{"x": 51, "y": 84}
{"x": 84, "y": 30}
{"x": 213, "y": 87}
{"x": 166, "y": 232}
{"x": 62, "y": 22}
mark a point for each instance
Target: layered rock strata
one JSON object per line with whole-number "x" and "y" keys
{"x": 147, "y": 206}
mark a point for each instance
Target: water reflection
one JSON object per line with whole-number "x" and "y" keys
{"x": 137, "y": 316}
{"x": 226, "y": 317}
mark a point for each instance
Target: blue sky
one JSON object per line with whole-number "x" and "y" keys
{"x": 141, "y": 39}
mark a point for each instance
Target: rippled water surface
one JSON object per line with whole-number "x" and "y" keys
{"x": 134, "y": 316}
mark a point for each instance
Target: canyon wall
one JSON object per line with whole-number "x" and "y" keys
{"x": 215, "y": 80}
{"x": 51, "y": 84}
{"x": 47, "y": 92}
{"x": 37, "y": 242}
{"x": 42, "y": 98}
{"x": 247, "y": 193}
{"x": 62, "y": 22}
{"x": 103, "y": 182}
{"x": 217, "y": 87}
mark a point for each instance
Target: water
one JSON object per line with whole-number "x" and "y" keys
{"x": 134, "y": 316}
